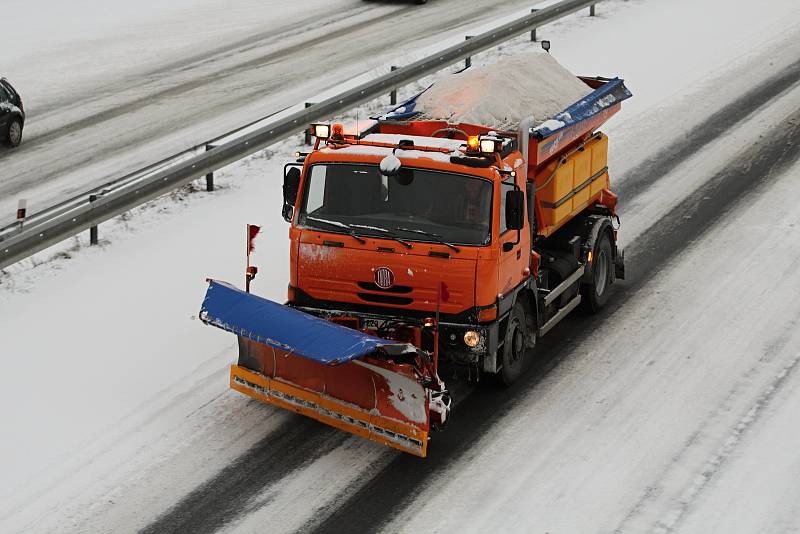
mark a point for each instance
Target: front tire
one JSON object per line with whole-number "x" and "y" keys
{"x": 594, "y": 295}
{"x": 14, "y": 134}
{"x": 516, "y": 341}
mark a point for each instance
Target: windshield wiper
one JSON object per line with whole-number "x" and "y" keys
{"x": 343, "y": 226}
{"x": 384, "y": 231}
{"x": 436, "y": 237}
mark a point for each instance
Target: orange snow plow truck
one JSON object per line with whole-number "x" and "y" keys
{"x": 455, "y": 230}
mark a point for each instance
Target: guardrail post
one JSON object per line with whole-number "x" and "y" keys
{"x": 308, "y": 131}
{"x": 533, "y": 31}
{"x": 393, "y": 94}
{"x": 468, "y": 61}
{"x": 209, "y": 176}
{"x": 93, "y": 230}
{"x": 591, "y": 10}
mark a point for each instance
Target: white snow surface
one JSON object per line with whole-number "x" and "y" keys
{"x": 500, "y": 95}
{"x": 551, "y": 124}
{"x": 678, "y": 416}
{"x": 406, "y": 395}
{"x": 439, "y": 142}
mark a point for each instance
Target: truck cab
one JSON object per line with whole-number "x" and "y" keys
{"x": 405, "y": 221}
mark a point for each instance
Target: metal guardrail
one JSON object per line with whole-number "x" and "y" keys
{"x": 75, "y": 215}
{"x": 118, "y": 184}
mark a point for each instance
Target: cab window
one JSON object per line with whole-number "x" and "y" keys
{"x": 505, "y": 187}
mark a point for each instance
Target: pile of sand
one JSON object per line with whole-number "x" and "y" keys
{"x": 502, "y": 94}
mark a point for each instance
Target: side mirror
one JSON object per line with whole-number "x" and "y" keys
{"x": 515, "y": 210}
{"x": 291, "y": 185}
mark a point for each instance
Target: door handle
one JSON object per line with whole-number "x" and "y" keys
{"x": 519, "y": 253}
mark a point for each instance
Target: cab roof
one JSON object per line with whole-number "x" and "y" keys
{"x": 450, "y": 145}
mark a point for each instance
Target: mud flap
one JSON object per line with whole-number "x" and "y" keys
{"x": 619, "y": 264}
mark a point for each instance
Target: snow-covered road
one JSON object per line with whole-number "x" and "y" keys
{"x": 108, "y": 91}
{"x": 673, "y": 411}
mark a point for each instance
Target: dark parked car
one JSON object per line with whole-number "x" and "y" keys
{"x": 12, "y": 114}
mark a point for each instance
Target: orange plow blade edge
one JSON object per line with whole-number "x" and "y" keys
{"x": 339, "y": 376}
{"x": 355, "y": 397}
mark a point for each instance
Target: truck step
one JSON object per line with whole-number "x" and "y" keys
{"x": 546, "y": 327}
{"x": 563, "y": 286}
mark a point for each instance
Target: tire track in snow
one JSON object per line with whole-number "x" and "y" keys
{"x": 655, "y": 490}
{"x": 195, "y": 83}
{"x": 388, "y": 493}
{"x": 270, "y": 36}
{"x": 236, "y": 489}
{"x": 721, "y": 121}
{"x": 717, "y": 460}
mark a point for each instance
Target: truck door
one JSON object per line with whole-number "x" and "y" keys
{"x": 513, "y": 262}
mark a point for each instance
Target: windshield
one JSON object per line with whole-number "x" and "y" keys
{"x": 418, "y": 204}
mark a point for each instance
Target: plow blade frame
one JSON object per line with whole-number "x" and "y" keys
{"x": 334, "y": 374}
{"x": 350, "y": 418}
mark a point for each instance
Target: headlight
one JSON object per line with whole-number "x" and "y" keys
{"x": 322, "y": 131}
{"x": 472, "y": 338}
{"x": 488, "y": 146}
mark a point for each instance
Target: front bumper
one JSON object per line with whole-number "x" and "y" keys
{"x": 451, "y": 335}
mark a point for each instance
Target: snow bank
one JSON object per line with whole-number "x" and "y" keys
{"x": 502, "y": 94}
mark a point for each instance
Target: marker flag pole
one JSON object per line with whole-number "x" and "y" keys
{"x": 251, "y": 271}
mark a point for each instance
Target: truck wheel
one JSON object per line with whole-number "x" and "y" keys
{"x": 595, "y": 294}
{"x": 14, "y": 133}
{"x": 513, "y": 357}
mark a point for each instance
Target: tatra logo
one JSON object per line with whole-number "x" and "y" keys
{"x": 384, "y": 278}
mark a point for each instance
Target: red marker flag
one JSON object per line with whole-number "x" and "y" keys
{"x": 252, "y": 232}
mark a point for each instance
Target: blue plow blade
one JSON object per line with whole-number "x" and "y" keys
{"x": 284, "y": 328}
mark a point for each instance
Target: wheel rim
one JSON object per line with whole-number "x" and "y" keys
{"x": 14, "y": 133}
{"x": 517, "y": 344}
{"x": 600, "y": 273}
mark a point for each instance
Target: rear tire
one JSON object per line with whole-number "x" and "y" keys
{"x": 516, "y": 341}
{"x": 14, "y": 134}
{"x": 594, "y": 295}
{"x": 420, "y": 2}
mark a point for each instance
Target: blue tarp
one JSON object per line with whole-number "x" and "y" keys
{"x": 605, "y": 96}
{"x": 284, "y": 328}
{"x": 404, "y": 111}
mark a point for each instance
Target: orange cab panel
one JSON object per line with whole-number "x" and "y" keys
{"x": 331, "y": 271}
